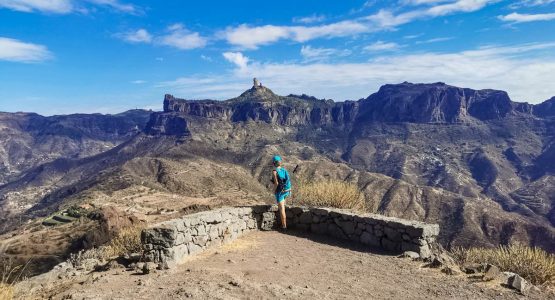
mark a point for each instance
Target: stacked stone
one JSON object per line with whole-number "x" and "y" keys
{"x": 171, "y": 241}
{"x": 392, "y": 234}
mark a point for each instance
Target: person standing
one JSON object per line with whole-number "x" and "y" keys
{"x": 282, "y": 183}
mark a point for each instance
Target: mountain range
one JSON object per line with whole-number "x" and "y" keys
{"x": 474, "y": 161}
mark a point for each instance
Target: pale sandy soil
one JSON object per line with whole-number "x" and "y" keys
{"x": 263, "y": 265}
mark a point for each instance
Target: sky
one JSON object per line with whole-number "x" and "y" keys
{"x": 108, "y": 56}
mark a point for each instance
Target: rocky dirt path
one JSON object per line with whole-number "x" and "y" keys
{"x": 275, "y": 265}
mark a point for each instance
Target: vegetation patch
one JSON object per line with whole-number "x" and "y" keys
{"x": 532, "y": 263}
{"x": 9, "y": 274}
{"x": 127, "y": 241}
{"x": 331, "y": 193}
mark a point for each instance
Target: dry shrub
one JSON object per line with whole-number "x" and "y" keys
{"x": 532, "y": 263}
{"x": 331, "y": 193}
{"x": 127, "y": 241}
{"x": 9, "y": 274}
{"x": 6, "y": 291}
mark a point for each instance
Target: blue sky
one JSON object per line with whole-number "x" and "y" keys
{"x": 66, "y": 56}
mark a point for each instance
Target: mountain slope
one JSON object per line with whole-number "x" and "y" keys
{"x": 474, "y": 161}
{"x": 29, "y": 139}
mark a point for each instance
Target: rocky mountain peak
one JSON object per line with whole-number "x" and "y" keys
{"x": 258, "y": 94}
{"x": 437, "y": 103}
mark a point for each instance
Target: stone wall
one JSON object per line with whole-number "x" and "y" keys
{"x": 170, "y": 242}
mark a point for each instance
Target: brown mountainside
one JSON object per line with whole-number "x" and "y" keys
{"x": 474, "y": 161}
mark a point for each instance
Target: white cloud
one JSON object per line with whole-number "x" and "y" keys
{"x": 177, "y": 36}
{"x": 52, "y": 6}
{"x": 382, "y": 46}
{"x": 423, "y": 2}
{"x": 528, "y": 3}
{"x": 435, "y": 40}
{"x": 311, "y": 54}
{"x": 18, "y": 51}
{"x": 522, "y": 18}
{"x": 386, "y": 18}
{"x": 339, "y": 29}
{"x": 181, "y": 38}
{"x": 118, "y": 6}
{"x": 237, "y": 58}
{"x": 252, "y": 37}
{"x": 66, "y": 6}
{"x": 138, "y": 81}
{"x": 205, "y": 57}
{"x": 138, "y": 36}
{"x": 310, "y": 19}
{"x": 525, "y": 78}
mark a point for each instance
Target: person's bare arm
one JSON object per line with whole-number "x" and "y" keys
{"x": 276, "y": 182}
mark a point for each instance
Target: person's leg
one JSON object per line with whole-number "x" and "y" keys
{"x": 281, "y": 206}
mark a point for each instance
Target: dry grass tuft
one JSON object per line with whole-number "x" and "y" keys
{"x": 532, "y": 263}
{"x": 331, "y": 193}
{"x": 6, "y": 291}
{"x": 9, "y": 274}
{"x": 127, "y": 241}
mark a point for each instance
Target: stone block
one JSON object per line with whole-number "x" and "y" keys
{"x": 268, "y": 221}
{"x": 370, "y": 239}
{"x": 201, "y": 230}
{"x": 200, "y": 240}
{"x": 305, "y": 218}
{"x": 347, "y": 217}
{"x": 424, "y": 251}
{"x": 407, "y": 246}
{"x": 491, "y": 273}
{"x": 348, "y": 227}
{"x": 319, "y": 228}
{"x": 258, "y": 209}
{"x": 213, "y": 234}
{"x": 213, "y": 217}
{"x": 423, "y": 230}
{"x": 390, "y": 245}
{"x": 159, "y": 236}
{"x": 410, "y": 254}
{"x": 336, "y": 231}
{"x": 193, "y": 248}
{"x": 183, "y": 238}
{"x": 392, "y": 234}
{"x": 320, "y": 211}
{"x": 303, "y": 227}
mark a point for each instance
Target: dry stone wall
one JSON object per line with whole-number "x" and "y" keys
{"x": 170, "y": 242}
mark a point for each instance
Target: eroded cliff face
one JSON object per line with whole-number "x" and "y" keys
{"x": 261, "y": 104}
{"x": 173, "y": 124}
{"x": 405, "y": 102}
{"x": 545, "y": 109}
{"x": 438, "y": 103}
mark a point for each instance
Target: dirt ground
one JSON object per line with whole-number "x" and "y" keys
{"x": 264, "y": 265}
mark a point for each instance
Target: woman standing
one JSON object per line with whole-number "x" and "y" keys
{"x": 282, "y": 184}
